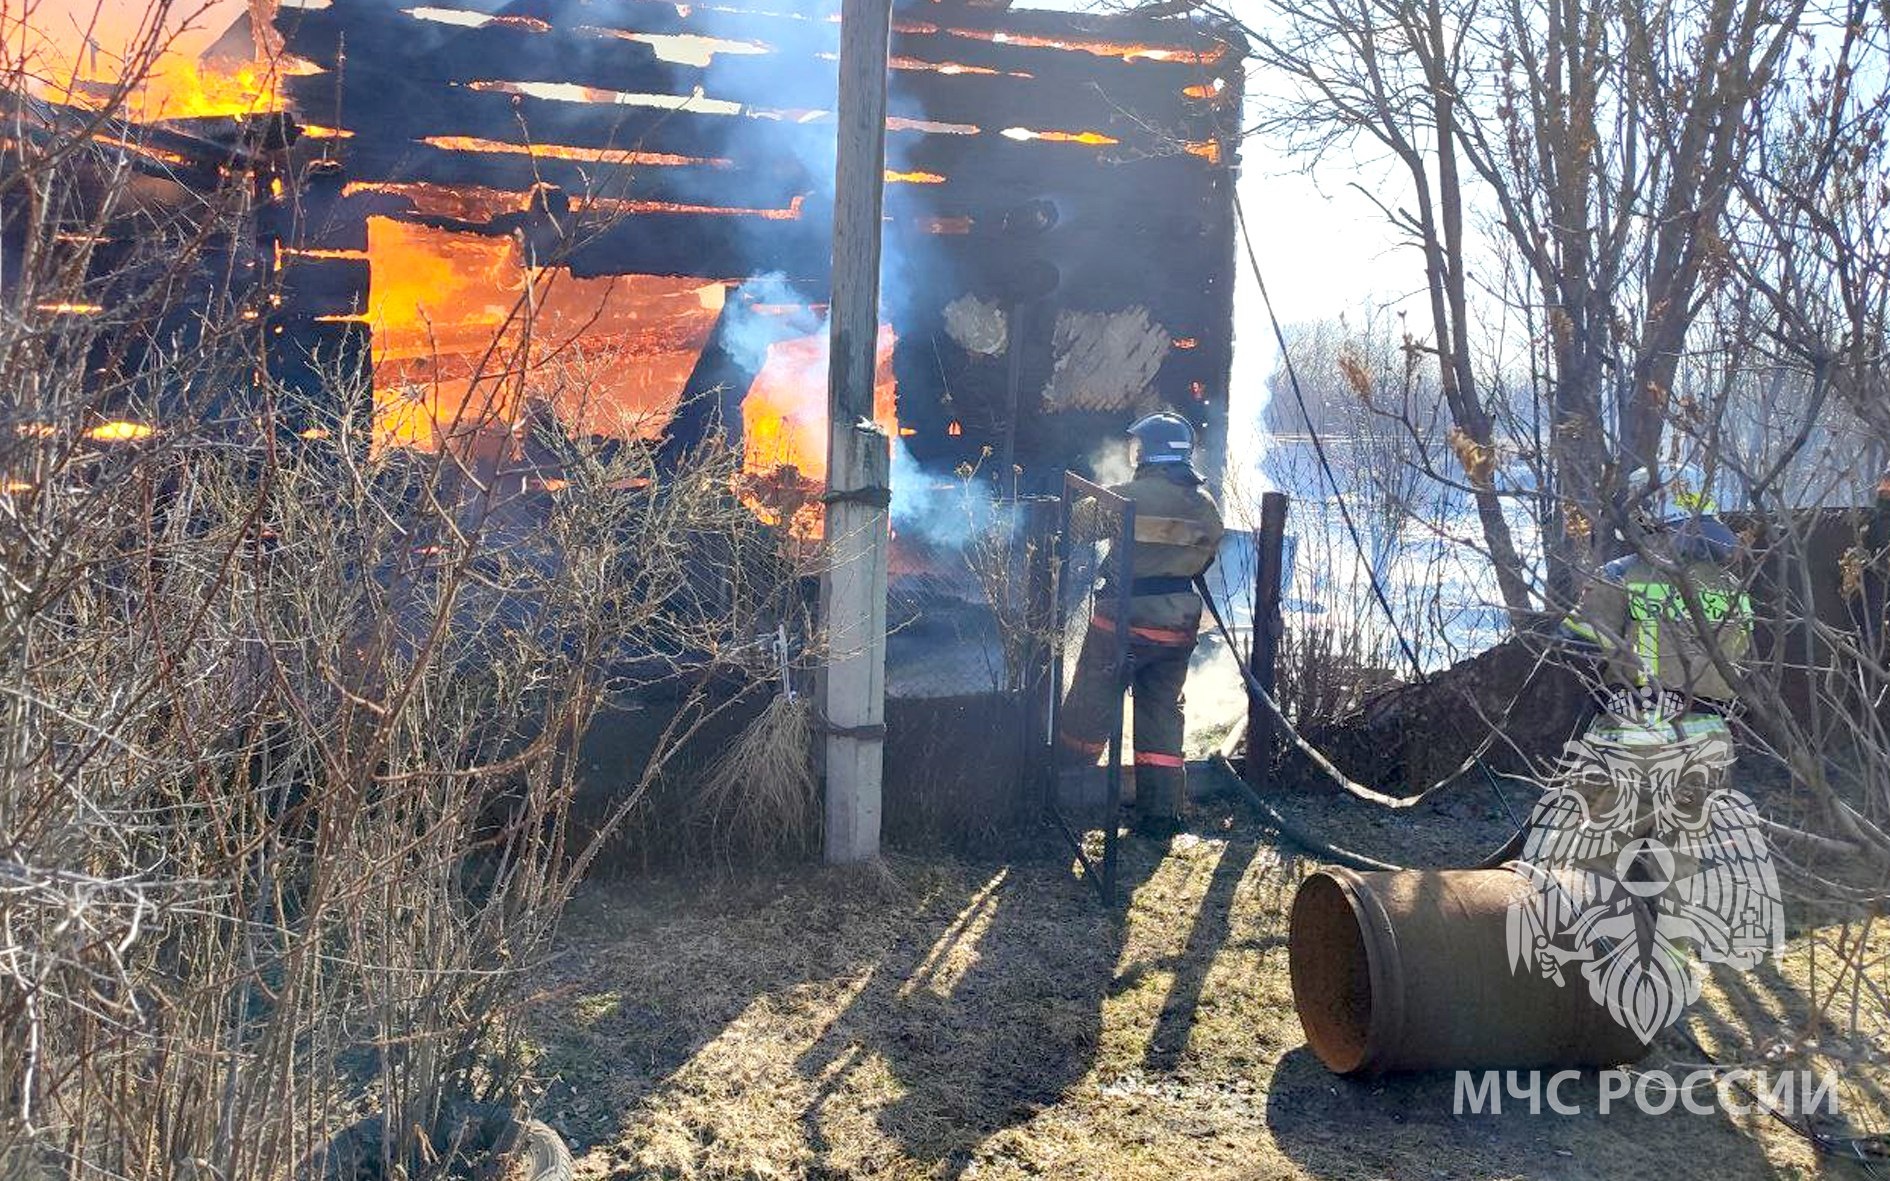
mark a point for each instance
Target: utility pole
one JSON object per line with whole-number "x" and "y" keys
{"x": 859, "y": 455}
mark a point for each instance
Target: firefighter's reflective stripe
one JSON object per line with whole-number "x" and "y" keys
{"x": 1645, "y": 604}
{"x": 1690, "y": 728}
{"x": 1581, "y": 630}
{"x": 1149, "y": 758}
{"x": 1153, "y": 530}
{"x": 1651, "y": 602}
{"x": 1166, "y": 636}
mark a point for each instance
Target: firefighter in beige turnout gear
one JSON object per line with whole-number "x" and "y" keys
{"x": 1660, "y": 687}
{"x": 1177, "y": 532}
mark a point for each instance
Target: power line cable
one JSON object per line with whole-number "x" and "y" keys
{"x": 1345, "y": 512}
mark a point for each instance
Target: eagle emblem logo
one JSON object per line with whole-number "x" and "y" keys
{"x": 1645, "y": 865}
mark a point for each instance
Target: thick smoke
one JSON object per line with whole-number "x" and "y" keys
{"x": 944, "y": 509}
{"x": 1110, "y": 463}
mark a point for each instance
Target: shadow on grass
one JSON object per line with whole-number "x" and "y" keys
{"x": 985, "y": 1023}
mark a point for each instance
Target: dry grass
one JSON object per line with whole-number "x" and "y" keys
{"x": 761, "y": 791}
{"x": 990, "y": 1020}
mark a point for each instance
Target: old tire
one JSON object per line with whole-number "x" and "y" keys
{"x": 536, "y": 1153}
{"x": 513, "y": 1149}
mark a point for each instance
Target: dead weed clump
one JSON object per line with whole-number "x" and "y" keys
{"x": 761, "y": 793}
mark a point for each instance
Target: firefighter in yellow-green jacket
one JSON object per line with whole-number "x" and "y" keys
{"x": 1177, "y": 532}
{"x": 1636, "y": 615}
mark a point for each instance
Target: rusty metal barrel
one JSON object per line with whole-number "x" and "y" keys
{"x": 1410, "y": 971}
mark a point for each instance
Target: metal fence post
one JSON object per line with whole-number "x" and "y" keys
{"x": 1038, "y": 523}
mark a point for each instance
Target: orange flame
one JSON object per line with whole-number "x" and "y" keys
{"x": 119, "y": 431}
{"x": 1025, "y": 134}
{"x": 463, "y": 331}
{"x": 784, "y": 418}
{"x": 951, "y": 68}
{"x": 175, "y": 87}
{"x": 1127, "y": 51}
{"x": 469, "y": 143}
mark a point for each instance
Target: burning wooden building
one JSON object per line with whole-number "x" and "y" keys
{"x": 645, "y": 187}
{"x": 620, "y": 210}
{"x": 1059, "y": 236}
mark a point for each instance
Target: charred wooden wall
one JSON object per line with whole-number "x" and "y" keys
{"x": 1060, "y": 178}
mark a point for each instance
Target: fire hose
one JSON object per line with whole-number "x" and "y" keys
{"x": 1298, "y": 834}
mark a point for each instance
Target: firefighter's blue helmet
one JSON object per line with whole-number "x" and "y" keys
{"x": 1670, "y": 497}
{"x": 1163, "y": 437}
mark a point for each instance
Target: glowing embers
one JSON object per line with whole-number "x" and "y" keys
{"x": 952, "y": 69}
{"x": 1212, "y": 90}
{"x": 791, "y": 212}
{"x": 66, "y": 308}
{"x": 913, "y": 178}
{"x": 1026, "y": 135}
{"x": 475, "y": 203}
{"x": 1209, "y": 150}
{"x": 684, "y": 49}
{"x": 620, "y": 156}
{"x": 935, "y": 224}
{"x": 316, "y": 131}
{"x": 171, "y": 158}
{"x": 1127, "y": 51}
{"x": 476, "y": 20}
{"x": 290, "y": 253}
{"x": 570, "y": 92}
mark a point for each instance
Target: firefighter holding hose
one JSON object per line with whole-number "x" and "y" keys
{"x": 1177, "y": 532}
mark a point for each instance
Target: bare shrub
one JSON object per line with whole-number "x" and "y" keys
{"x": 290, "y": 722}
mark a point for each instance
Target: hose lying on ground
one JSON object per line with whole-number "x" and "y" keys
{"x": 1299, "y": 835}
{"x": 1346, "y": 783}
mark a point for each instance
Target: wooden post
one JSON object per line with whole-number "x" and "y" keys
{"x": 1875, "y": 588}
{"x": 859, "y": 457}
{"x": 1269, "y": 546}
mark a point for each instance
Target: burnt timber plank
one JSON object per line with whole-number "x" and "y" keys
{"x": 1105, "y": 249}
{"x": 324, "y": 286}
{"x": 785, "y": 23}
{"x": 397, "y": 105}
{"x": 782, "y": 80}
{"x": 428, "y": 51}
{"x": 812, "y": 25}
{"x": 406, "y": 162}
{"x": 402, "y": 108}
{"x": 999, "y": 164}
{"x": 801, "y": 10}
{"x": 708, "y": 246}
